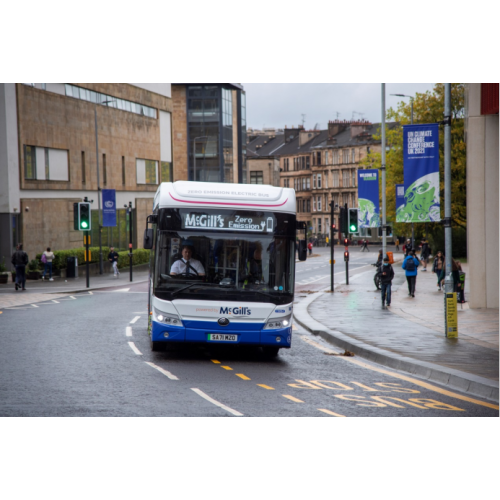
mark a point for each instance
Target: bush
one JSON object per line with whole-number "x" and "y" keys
{"x": 458, "y": 242}
{"x": 139, "y": 256}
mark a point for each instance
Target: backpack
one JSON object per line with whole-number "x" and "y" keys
{"x": 410, "y": 264}
{"x": 44, "y": 259}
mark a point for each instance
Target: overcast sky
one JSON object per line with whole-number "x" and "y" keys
{"x": 280, "y": 104}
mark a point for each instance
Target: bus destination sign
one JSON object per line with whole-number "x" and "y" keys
{"x": 225, "y": 222}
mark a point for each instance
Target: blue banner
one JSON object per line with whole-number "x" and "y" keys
{"x": 368, "y": 199}
{"x": 421, "y": 173}
{"x": 108, "y": 208}
{"x": 400, "y": 200}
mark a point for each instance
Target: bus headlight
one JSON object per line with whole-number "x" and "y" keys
{"x": 167, "y": 318}
{"x": 276, "y": 323}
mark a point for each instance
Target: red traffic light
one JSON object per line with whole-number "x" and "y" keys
{"x": 334, "y": 226}
{"x": 346, "y": 241}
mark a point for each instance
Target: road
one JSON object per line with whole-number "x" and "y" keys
{"x": 89, "y": 355}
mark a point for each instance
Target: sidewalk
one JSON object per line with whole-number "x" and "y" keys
{"x": 42, "y": 290}
{"x": 408, "y": 336}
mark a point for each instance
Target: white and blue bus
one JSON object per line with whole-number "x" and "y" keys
{"x": 222, "y": 265}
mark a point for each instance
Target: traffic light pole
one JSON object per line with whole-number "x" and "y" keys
{"x": 87, "y": 257}
{"x": 130, "y": 237}
{"x": 332, "y": 245}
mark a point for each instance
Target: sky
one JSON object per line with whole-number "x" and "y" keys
{"x": 280, "y": 104}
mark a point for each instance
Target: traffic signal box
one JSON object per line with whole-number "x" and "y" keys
{"x": 346, "y": 249}
{"x": 353, "y": 220}
{"x": 82, "y": 219}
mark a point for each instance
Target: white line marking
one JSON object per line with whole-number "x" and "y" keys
{"x": 71, "y": 296}
{"x": 90, "y": 293}
{"x": 33, "y": 305}
{"x": 216, "y": 403}
{"x": 161, "y": 370}
{"x": 122, "y": 290}
{"x": 134, "y": 320}
{"x": 132, "y": 346}
{"x": 128, "y": 331}
{"x": 56, "y": 302}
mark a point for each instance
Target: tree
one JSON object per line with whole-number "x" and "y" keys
{"x": 427, "y": 108}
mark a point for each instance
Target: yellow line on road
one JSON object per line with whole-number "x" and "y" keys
{"x": 291, "y": 398}
{"x": 266, "y": 387}
{"x": 330, "y": 412}
{"x": 215, "y": 361}
{"x": 420, "y": 383}
{"x": 226, "y": 367}
{"x": 244, "y": 377}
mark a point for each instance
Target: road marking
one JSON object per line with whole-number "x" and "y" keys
{"x": 122, "y": 290}
{"x": 215, "y": 361}
{"x": 266, "y": 387}
{"x": 291, "y": 398}
{"x": 56, "y": 302}
{"x": 90, "y": 293}
{"x": 244, "y": 377}
{"x": 226, "y": 367}
{"x": 132, "y": 346}
{"x": 294, "y": 327}
{"x": 330, "y": 412}
{"x": 128, "y": 331}
{"x": 161, "y": 370}
{"x": 33, "y": 305}
{"x": 71, "y": 297}
{"x": 216, "y": 403}
{"x": 134, "y": 320}
{"x": 404, "y": 377}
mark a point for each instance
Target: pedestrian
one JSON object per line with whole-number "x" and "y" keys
{"x": 424, "y": 254}
{"x": 456, "y": 267}
{"x": 407, "y": 247}
{"x": 365, "y": 246}
{"x": 437, "y": 267}
{"x": 20, "y": 261}
{"x": 397, "y": 244}
{"x": 310, "y": 247}
{"x": 386, "y": 276}
{"x": 113, "y": 258}
{"x": 379, "y": 258}
{"x": 410, "y": 265}
{"x": 47, "y": 258}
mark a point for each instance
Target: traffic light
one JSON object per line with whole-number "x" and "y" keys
{"x": 334, "y": 228}
{"x": 346, "y": 257}
{"x": 353, "y": 220}
{"x": 346, "y": 242}
{"x": 82, "y": 219}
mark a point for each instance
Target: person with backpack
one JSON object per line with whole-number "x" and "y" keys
{"x": 424, "y": 254}
{"x": 20, "y": 261}
{"x": 47, "y": 258}
{"x": 410, "y": 265}
{"x": 386, "y": 276}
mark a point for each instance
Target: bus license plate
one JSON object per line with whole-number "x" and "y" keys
{"x": 222, "y": 337}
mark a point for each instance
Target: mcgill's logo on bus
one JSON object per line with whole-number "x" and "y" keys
{"x": 240, "y": 311}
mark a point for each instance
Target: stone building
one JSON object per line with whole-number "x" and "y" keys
{"x": 262, "y": 161}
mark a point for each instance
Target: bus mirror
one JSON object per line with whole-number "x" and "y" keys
{"x": 148, "y": 239}
{"x": 302, "y": 250}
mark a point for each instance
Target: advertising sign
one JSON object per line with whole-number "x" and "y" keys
{"x": 400, "y": 200}
{"x": 108, "y": 208}
{"x": 368, "y": 199}
{"x": 225, "y": 222}
{"x": 421, "y": 173}
{"x": 451, "y": 315}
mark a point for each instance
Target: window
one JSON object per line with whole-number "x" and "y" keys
{"x": 146, "y": 171}
{"x": 104, "y": 171}
{"x": 319, "y": 225}
{"x": 166, "y": 171}
{"x": 345, "y": 199}
{"x": 319, "y": 203}
{"x": 353, "y": 156}
{"x": 29, "y": 162}
{"x": 257, "y": 177}
{"x": 326, "y": 157}
{"x": 345, "y": 155}
{"x": 345, "y": 178}
{"x": 123, "y": 170}
{"x": 353, "y": 178}
{"x": 319, "y": 181}
{"x": 335, "y": 178}
{"x": 318, "y": 157}
{"x": 308, "y": 162}
{"x": 314, "y": 181}
{"x": 335, "y": 157}
{"x": 47, "y": 169}
{"x": 308, "y": 183}
{"x": 83, "y": 168}
{"x": 326, "y": 179}
{"x": 308, "y": 205}
{"x": 314, "y": 203}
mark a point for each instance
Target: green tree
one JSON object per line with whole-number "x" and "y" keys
{"x": 427, "y": 108}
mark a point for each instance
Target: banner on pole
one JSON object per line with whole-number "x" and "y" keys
{"x": 400, "y": 201}
{"x": 368, "y": 198}
{"x": 421, "y": 173}
{"x": 108, "y": 208}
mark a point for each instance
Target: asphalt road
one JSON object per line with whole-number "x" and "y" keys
{"x": 90, "y": 356}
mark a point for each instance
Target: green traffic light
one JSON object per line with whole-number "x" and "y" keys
{"x": 84, "y": 224}
{"x": 353, "y": 228}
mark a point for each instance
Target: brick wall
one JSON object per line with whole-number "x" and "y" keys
{"x": 179, "y": 133}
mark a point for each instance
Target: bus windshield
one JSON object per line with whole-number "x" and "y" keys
{"x": 220, "y": 265}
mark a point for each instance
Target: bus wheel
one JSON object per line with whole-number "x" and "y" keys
{"x": 157, "y": 346}
{"x": 270, "y": 351}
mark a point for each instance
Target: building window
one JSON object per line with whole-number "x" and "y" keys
{"x": 314, "y": 203}
{"x": 166, "y": 171}
{"x": 345, "y": 199}
{"x": 326, "y": 157}
{"x": 335, "y": 157}
{"x": 257, "y": 177}
{"x": 345, "y": 156}
{"x": 84, "y": 178}
{"x": 29, "y": 161}
{"x": 146, "y": 171}
{"x": 314, "y": 181}
{"x": 319, "y": 203}
{"x": 123, "y": 170}
{"x": 335, "y": 178}
{"x": 353, "y": 156}
{"x": 308, "y": 205}
{"x": 319, "y": 181}
{"x": 47, "y": 164}
{"x": 104, "y": 171}
{"x": 353, "y": 178}
{"x": 326, "y": 179}
{"x": 318, "y": 157}
{"x": 319, "y": 225}
{"x": 308, "y": 162}
{"x": 308, "y": 183}
{"x": 345, "y": 178}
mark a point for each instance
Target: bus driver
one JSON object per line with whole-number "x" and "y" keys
{"x": 187, "y": 265}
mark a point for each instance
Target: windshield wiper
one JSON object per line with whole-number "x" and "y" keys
{"x": 193, "y": 284}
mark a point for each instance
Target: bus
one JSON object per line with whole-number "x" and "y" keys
{"x": 222, "y": 265}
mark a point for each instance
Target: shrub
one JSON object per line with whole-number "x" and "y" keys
{"x": 139, "y": 256}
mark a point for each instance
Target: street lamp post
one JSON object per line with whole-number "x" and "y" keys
{"x": 412, "y": 225}
{"x": 130, "y": 254}
{"x": 194, "y": 153}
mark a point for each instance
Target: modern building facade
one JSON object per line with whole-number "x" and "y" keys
{"x": 48, "y": 158}
{"x": 209, "y": 130}
{"x": 482, "y": 194}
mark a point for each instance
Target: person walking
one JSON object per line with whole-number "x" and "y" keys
{"x": 310, "y": 247}
{"x": 113, "y": 258}
{"x": 407, "y": 247}
{"x": 437, "y": 267}
{"x": 397, "y": 244}
{"x": 424, "y": 254}
{"x": 47, "y": 258}
{"x": 410, "y": 265}
{"x": 365, "y": 246}
{"x": 380, "y": 258}
{"x": 386, "y": 276}
{"x": 20, "y": 261}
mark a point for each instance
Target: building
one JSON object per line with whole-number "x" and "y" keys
{"x": 482, "y": 193}
{"x": 262, "y": 161}
{"x": 209, "y": 131}
{"x": 48, "y": 136}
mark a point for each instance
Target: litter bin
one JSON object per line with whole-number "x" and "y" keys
{"x": 72, "y": 267}
{"x": 391, "y": 257}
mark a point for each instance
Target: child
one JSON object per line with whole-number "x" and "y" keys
{"x": 386, "y": 276}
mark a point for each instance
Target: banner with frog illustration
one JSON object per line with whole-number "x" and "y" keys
{"x": 421, "y": 174}
{"x": 368, "y": 199}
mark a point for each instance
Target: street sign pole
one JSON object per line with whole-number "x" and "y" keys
{"x": 384, "y": 220}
